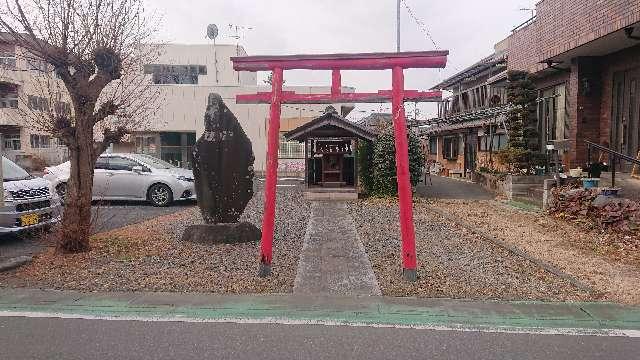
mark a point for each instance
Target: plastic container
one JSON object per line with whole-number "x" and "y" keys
{"x": 590, "y": 183}
{"x": 575, "y": 172}
{"x": 612, "y": 192}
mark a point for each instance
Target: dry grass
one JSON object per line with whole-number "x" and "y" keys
{"x": 150, "y": 256}
{"x": 593, "y": 257}
{"x": 452, "y": 261}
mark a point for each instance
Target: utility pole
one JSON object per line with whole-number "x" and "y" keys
{"x": 398, "y": 27}
{"x": 1, "y": 175}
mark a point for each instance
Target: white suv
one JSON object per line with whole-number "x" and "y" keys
{"x": 29, "y": 202}
{"x": 131, "y": 177}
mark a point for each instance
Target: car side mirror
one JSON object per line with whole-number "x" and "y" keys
{"x": 137, "y": 169}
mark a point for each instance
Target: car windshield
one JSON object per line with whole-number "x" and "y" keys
{"x": 153, "y": 162}
{"x": 13, "y": 172}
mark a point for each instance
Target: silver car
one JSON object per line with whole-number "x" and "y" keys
{"x": 131, "y": 177}
{"x": 29, "y": 202}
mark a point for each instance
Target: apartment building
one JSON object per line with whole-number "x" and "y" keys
{"x": 21, "y": 76}
{"x": 185, "y": 76}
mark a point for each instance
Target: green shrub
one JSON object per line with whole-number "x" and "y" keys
{"x": 377, "y": 163}
{"x": 365, "y": 165}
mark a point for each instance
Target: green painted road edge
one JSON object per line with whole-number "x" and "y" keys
{"x": 585, "y": 318}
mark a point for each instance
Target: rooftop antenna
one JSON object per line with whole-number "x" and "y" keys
{"x": 212, "y": 34}
{"x": 236, "y": 29}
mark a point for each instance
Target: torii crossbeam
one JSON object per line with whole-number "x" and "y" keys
{"x": 396, "y": 62}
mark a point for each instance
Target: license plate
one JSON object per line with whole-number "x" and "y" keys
{"x": 31, "y": 219}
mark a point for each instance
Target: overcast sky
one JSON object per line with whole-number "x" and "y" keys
{"x": 467, "y": 28}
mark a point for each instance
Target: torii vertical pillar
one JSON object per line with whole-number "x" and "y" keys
{"x": 273, "y": 135}
{"x": 405, "y": 198}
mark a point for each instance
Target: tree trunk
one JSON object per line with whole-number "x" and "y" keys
{"x": 76, "y": 223}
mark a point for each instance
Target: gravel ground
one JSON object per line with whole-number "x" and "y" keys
{"x": 589, "y": 256}
{"x": 453, "y": 263}
{"x": 150, "y": 257}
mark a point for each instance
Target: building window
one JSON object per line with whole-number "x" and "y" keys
{"x": 12, "y": 142}
{"x": 175, "y": 74}
{"x": 433, "y": 145}
{"x": 8, "y": 60}
{"x": 493, "y": 139}
{"x": 37, "y": 103}
{"x": 40, "y": 141}
{"x": 9, "y": 102}
{"x": 553, "y": 116}
{"x": 62, "y": 108}
{"x": 450, "y": 147}
{"x": 8, "y": 96}
{"x": 38, "y": 65}
{"x": 146, "y": 145}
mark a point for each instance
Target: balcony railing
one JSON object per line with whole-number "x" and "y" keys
{"x": 615, "y": 157}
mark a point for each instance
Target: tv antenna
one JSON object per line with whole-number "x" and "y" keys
{"x": 236, "y": 35}
{"x": 212, "y": 34}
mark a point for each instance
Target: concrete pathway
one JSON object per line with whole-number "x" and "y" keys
{"x": 333, "y": 259}
{"x": 446, "y": 188}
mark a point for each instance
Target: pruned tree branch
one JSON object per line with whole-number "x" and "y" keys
{"x": 92, "y": 92}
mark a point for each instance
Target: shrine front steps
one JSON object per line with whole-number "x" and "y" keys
{"x": 331, "y": 194}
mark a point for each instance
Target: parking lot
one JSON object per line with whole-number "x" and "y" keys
{"x": 107, "y": 216}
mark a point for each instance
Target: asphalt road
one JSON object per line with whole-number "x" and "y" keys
{"x": 113, "y": 215}
{"x": 44, "y": 338}
{"x": 107, "y": 216}
{"x": 439, "y": 187}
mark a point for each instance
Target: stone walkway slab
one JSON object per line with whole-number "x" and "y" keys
{"x": 333, "y": 259}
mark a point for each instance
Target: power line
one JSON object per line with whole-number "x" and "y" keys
{"x": 422, "y": 26}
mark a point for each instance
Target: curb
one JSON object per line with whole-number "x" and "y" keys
{"x": 14, "y": 263}
{"x": 604, "y": 319}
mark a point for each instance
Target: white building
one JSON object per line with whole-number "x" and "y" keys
{"x": 21, "y": 92}
{"x": 186, "y": 75}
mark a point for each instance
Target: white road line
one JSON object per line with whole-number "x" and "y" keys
{"x": 284, "y": 321}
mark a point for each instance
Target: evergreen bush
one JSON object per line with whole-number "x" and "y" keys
{"x": 377, "y": 163}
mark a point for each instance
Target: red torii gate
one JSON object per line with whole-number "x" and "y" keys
{"x": 397, "y": 62}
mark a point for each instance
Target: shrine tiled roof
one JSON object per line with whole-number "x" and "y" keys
{"x": 328, "y": 125}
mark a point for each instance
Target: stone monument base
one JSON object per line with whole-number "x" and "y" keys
{"x": 213, "y": 234}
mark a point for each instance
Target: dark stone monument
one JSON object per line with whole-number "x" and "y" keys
{"x": 223, "y": 171}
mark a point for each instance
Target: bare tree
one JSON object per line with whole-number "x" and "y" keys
{"x": 96, "y": 50}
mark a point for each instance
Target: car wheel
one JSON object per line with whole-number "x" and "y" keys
{"x": 160, "y": 195}
{"x": 61, "y": 189}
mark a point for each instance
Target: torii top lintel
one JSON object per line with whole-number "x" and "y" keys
{"x": 366, "y": 61}
{"x": 336, "y": 63}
